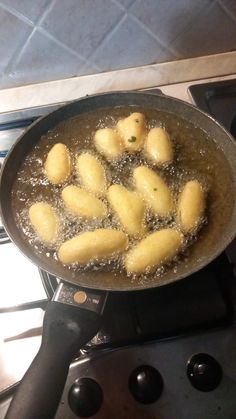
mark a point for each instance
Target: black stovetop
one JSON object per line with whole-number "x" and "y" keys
{"x": 218, "y": 99}
{"x": 204, "y": 300}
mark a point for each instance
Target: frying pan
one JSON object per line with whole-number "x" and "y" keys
{"x": 74, "y": 315}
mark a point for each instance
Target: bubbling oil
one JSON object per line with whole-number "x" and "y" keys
{"x": 196, "y": 156}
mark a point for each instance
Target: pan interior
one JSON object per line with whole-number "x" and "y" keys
{"x": 197, "y": 155}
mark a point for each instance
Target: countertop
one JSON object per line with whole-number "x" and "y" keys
{"x": 173, "y": 77}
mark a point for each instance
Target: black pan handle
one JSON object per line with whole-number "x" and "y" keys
{"x": 66, "y": 329}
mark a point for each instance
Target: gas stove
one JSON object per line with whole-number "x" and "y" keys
{"x": 165, "y": 353}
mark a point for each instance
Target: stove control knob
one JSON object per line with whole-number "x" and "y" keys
{"x": 204, "y": 372}
{"x": 85, "y": 397}
{"x": 146, "y": 384}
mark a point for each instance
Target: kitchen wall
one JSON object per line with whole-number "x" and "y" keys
{"x": 50, "y": 39}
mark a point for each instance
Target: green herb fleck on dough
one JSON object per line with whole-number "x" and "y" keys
{"x": 132, "y": 139}
{"x": 155, "y": 189}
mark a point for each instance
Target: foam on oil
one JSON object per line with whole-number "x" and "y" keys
{"x": 196, "y": 157}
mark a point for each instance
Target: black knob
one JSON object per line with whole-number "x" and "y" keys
{"x": 146, "y": 384}
{"x": 85, "y": 397}
{"x": 204, "y": 372}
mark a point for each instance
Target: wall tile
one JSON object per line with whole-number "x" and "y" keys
{"x": 167, "y": 18}
{"x": 32, "y": 9}
{"x": 80, "y": 24}
{"x": 212, "y": 32}
{"x": 43, "y": 60}
{"x": 107, "y": 35}
{"x": 126, "y": 49}
{"x": 13, "y": 32}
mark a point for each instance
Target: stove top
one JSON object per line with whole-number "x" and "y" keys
{"x": 206, "y": 300}
{"x": 217, "y": 99}
{"x": 156, "y": 331}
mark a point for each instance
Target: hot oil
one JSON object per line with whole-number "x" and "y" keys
{"x": 196, "y": 157}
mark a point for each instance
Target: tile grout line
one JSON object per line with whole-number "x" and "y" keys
{"x": 125, "y": 9}
{"x": 45, "y": 13}
{"x": 17, "y": 14}
{"x": 87, "y": 61}
{"x": 59, "y": 43}
{"x": 174, "y": 51}
{"x": 96, "y": 65}
{"x": 62, "y": 44}
{"x": 23, "y": 19}
{"x": 226, "y": 10}
{"x": 159, "y": 41}
{"x": 107, "y": 37}
{"x": 209, "y": 7}
{"x": 15, "y": 58}
{"x": 75, "y": 53}
{"x": 46, "y": 34}
{"x": 91, "y": 63}
{"x": 53, "y": 38}
{"x": 98, "y": 69}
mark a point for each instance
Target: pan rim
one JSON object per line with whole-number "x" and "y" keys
{"x": 137, "y": 287}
